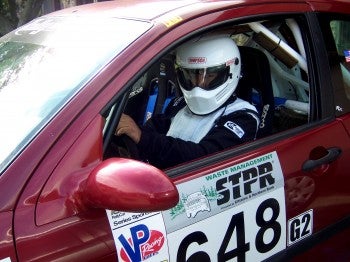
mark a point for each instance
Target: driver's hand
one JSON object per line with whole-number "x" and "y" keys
{"x": 127, "y": 126}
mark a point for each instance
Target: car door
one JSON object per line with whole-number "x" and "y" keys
{"x": 336, "y": 38}
{"x": 281, "y": 194}
{"x": 7, "y": 249}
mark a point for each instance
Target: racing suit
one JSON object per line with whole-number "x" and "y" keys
{"x": 178, "y": 135}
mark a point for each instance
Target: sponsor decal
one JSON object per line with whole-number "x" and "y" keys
{"x": 339, "y": 108}
{"x": 256, "y": 181}
{"x": 169, "y": 22}
{"x": 197, "y": 60}
{"x": 347, "y": 55}
{"x": 244, "y": 218}
{"x": 236, "y": 129}
{"x": 209, "y": 193}
{"x": 195, "y": 203}
{"x": 139, "y": 236}
{"x": 226, "y": 188}
{"x": 142, "y": 244}
{"x": 231, "y": 61}
{"x": 263, "y": 115}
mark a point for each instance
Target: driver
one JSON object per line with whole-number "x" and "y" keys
{"x": 208, "y": 118}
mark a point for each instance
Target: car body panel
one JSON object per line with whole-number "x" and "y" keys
{"x": 7, "y": 248}
{"x": 46, "y": 196}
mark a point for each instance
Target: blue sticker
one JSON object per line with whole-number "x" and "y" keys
{"x": 347, "y": 55}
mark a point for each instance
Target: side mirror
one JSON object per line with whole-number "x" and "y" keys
{"x": 130, "y": 186}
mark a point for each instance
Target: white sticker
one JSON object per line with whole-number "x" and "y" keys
{"x": 195, "y": 203}
{"x": 232, "y": 212}
{"x": 139, "y": 236}
{"x": 252, "y": 231}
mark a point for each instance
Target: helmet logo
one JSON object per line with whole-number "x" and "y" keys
{"x": 232, "y": 61}
{"x": 197, "y": 60}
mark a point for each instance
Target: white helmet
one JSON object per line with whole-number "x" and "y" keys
{"x": 208, "y": 72}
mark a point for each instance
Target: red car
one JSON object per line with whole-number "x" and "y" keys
{"x": 67, "y": 77}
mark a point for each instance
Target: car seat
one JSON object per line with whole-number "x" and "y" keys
{"x": 255, "y": 86}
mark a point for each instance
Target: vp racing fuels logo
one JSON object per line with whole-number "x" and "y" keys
{"x": 142, "y": 244}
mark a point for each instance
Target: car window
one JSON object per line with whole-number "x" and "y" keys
{"x": 336, "y": 32}
{"x": 274, "y": 76}
{"x": 341, "y": 34}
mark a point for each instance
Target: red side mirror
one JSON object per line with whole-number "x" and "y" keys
{"x": 131, "y": 186}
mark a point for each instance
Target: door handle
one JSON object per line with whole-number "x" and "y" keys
{"x": 332, "y": 154}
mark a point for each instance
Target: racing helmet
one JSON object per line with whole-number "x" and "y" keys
{"x": 208, "y": 71}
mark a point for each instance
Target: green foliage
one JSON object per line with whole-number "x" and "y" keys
{"x": 8, "y": 16}
{"x": 4, "y": 8}
{"x": 4, "y": 5}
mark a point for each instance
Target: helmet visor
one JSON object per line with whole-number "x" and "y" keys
{"x": 205, "y": 78}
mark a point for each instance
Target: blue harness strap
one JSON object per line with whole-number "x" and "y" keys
{"x": 170, "y": 96}
{"x": 152, "y": 99}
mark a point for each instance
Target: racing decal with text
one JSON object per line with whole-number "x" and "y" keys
{"x": 253, "y": 231}
{"x": 138, "y": 236}
{"x": 213, "y": 193}
{"x": 171, "y": 21}
{"x": 236, "y": 213}
{"x": 300, "y": 227}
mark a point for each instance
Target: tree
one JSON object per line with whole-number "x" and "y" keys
{"x": 14, "y": 13}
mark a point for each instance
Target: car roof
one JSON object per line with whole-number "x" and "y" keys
{"x": 149, "y": 10}
{"x": 132, "y": 9}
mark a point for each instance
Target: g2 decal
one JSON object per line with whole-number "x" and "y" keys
{"x": 300, "y": 227}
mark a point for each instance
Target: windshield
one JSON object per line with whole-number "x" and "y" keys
{"x": 44, "y": 63}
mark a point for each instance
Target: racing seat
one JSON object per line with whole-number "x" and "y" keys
{"x": 142, "y": 91}
{"x": 255, "y": 86}
{"x": 164, "y": 89}
{"x": 153, "y": 91}
{"x": 167, "y": 82}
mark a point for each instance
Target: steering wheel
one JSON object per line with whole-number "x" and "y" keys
{"x": 123, "y": 146}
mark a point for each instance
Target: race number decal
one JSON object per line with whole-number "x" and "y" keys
{"x": 234, "y": 214}
{"x": 139, "y": 236}
{"x": 250, "y": 232}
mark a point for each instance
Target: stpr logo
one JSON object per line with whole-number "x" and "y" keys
{"x": 142, "y": 244}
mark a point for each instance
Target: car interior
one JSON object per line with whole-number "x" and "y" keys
{"x": 274, "y": 76}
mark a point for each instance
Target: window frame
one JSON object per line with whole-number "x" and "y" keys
{"x": 341, "y": 105}
{"x": 317, "y": 97}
